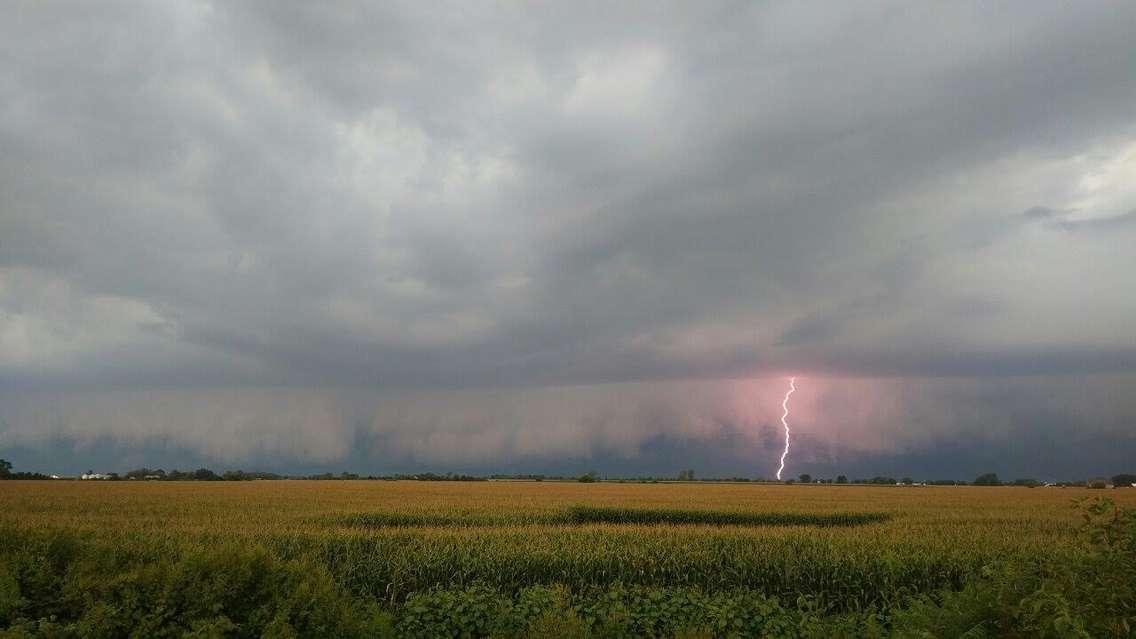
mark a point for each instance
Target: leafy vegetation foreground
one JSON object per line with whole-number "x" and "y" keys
{"x": 517, "y": 559}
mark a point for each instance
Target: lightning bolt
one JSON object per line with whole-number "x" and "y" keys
{"x": 785, "y": 423}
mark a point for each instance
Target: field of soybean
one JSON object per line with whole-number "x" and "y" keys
{"x": 546, "y": 559}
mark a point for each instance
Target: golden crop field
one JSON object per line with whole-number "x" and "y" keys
{"x": 252, "y": 507}
{"x": 851, "y": 548}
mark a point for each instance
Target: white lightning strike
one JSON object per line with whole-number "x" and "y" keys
{"x": 785, "y": 423}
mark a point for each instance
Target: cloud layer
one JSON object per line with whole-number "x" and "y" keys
{"x": 424, "y": 197}
{"x": 1029, "y": 426}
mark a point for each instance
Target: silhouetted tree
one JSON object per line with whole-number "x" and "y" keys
{"x": 1120, "y": 481}
{"x": 143, "y": 473}
{"x": 204, "y": 474}
{"x": 841, "y": 479}
{"x": 987, "y": 479}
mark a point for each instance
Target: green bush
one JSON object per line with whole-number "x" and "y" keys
{"x": 1093, "y": 597}
{"x": 616, "y": 612}
{"x": 55, "y": 589}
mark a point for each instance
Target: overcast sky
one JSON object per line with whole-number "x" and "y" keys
{"x": 565, "y": 236}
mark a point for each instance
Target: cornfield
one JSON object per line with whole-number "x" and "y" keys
{"x": 846, "y": 549}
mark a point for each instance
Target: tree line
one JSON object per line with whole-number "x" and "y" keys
{"x": 6, "y": 472}
{"x": 686, "y": 475}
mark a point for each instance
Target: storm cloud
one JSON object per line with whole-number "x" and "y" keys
{"x": 266, "y": 231}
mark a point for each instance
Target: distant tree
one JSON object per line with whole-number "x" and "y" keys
{"x": 883, "y": 480}
{"x": 1028, "y": 483}
{"x": 907, "y": 481}
{"x": 587, "y": 478}
{"x": 1120, "y": 481}
{"x": 805, "y": 478}
{"x": 841, "y": 479}
{"x": 6, "y": 472}
{"x": 686, "y": 475}
{"x": 987, "y": 479}
{"x": 1098, "y": 483}
{"x": 204, "y": 474}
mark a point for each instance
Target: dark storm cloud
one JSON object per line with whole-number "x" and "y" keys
{"x": 406, "y": 195}
{"x": 1055, "y": 428}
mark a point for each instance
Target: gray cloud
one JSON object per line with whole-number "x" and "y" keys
{"x": 454, "y": 196}
{"x": 1124, "y": 222}
{"x": 1058, "y": 428}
